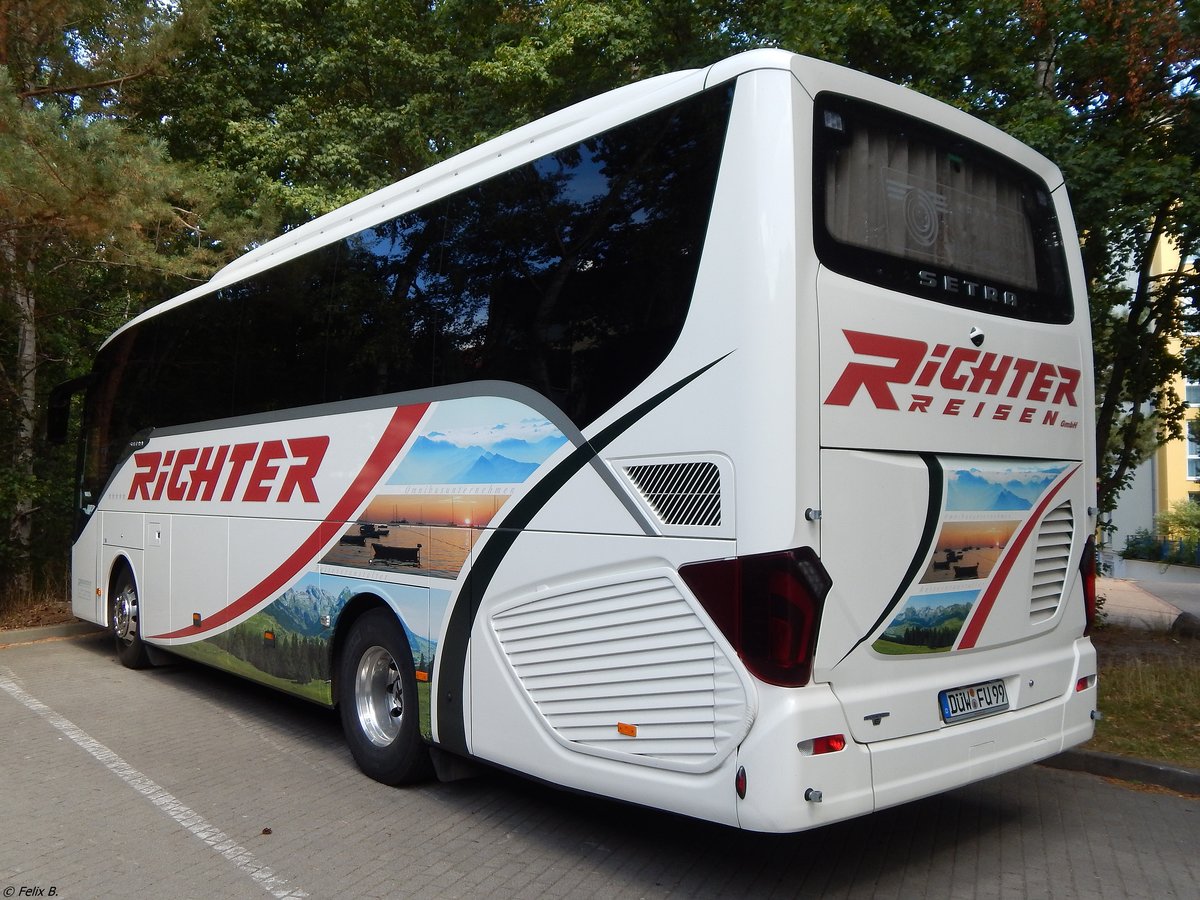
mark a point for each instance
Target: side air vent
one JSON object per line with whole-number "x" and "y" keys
{"x": 680, "y": 493}
{"x": 627, "y": 671}
{"x": 1050, "y": 563}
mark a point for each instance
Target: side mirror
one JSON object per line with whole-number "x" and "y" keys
{"x": 58, "y": 410}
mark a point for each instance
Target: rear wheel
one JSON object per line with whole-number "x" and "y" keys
{"x": 377, "y": 688}
{"x": 126, "y": 621}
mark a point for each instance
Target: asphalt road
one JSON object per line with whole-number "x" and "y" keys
{"x": 1185, "y": 596}
{"x": 182, "y": 782}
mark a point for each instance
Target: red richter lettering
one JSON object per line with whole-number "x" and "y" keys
{"x": 176, "y": 486}
{"x": 162, "y": 476}
{"x": 242, "y": 454}
{"x": 951, "y": 379}
{"x": 989, "y": 371}
{"x": 1066, "y": 387}
{"x": 910, "y": 363}
{"x": 259, "y": 488}
{"x": 300, "y": 476}
{"x": 196, "y": 472}
{"x": 207, "y": 474}
{"x": 1040, "y": 389}
{"x": 905, "y": 354}
{"x": 147, "y": 468}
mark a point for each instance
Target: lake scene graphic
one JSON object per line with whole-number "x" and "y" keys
{"x": 968, "y": 550}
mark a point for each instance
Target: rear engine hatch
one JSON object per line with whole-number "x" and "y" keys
{"x": 940, "y": 565}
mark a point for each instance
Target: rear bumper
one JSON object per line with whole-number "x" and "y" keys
{"x": 865, "y": 777}
{"x": 918, "y": 766}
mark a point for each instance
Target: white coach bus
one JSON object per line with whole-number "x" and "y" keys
{"x": 721, "y": 444}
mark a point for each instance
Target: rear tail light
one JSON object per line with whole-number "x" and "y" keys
{"x": 831, "y": 743}
{"x": 1087, "y": 571}
{"x": 769, "y": 608}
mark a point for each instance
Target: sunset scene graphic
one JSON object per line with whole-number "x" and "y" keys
{"x": 968, "y": 550}
{"x": 467, "y": 462}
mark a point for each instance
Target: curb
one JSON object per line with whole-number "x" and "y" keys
{"x": 46, "y": 632}
{"x": 1127, "y": 768}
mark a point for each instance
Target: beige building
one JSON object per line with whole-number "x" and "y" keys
{"x": 1173, "y": 472}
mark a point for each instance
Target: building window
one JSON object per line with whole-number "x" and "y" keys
{"x": 1191, "y": 393}
{"x": 1193, "y": 448}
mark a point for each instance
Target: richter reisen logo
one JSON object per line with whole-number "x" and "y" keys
{"x": 906, "y": 374}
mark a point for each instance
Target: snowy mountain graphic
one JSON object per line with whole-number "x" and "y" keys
{"x": 973, "y": 490}
{"x": 433, "y": 461}
{"x": 299, "y": 610}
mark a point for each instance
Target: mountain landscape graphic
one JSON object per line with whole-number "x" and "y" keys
{"x": 929, "y": 617}
{"x": 299, "y": 610}
{"x": 431, "y": 461}
{"x": 971, "y": 491}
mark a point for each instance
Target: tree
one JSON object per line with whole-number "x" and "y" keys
{"x": 312, "y": 105}
{"x": 81, "y": 198}
{"x": 282, "y": 110}
{"x": 1108, "y": 90}
{"x": 305, "y": 105}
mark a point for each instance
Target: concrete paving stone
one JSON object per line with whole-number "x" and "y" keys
{"x": 241, "y": 759}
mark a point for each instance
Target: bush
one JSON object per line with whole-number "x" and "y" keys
{"x": 1180, "y": 523}
{"x": 1143, "y": 544}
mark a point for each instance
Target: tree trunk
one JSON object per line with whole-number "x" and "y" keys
{"x": 20, "y": 527}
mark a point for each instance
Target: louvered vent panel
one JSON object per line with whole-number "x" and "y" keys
{"x": 633, "y": 653}
{"x": 1050, "y": 563}
{"x": 680, "y": 493}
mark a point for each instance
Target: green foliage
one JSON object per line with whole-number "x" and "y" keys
{"x": 1145, "y": 545}
{"x": 93, "y": 220}
{"x": 143, "y": 142}
{"x": 1181, "y": 522}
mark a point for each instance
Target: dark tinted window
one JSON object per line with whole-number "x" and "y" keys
{"x": 909, "y": 206}
{"x": 571, "y": 275}
{"x": 280, "y": 337}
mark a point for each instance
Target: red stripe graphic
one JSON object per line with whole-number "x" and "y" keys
{"x": 984, "y": 606}
{"x": 394, "y": 437}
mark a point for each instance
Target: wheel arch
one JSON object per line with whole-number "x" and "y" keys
{"x": 120, "y": 564}
{"x": 355, "y": 608}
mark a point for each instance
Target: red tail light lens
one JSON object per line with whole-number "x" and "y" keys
{"x": 1087, "y": 571}
{"x": 769, "y": 608}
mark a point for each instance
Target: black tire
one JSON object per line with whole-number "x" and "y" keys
{"x": 377, "y": 693}
{"x": 125, "y": 621}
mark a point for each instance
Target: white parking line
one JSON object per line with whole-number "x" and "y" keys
{"x": 217, "y": 841}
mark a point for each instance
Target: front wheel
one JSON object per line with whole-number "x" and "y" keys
{"x": 126, "y": 622}
{"x": 377, "y": 689}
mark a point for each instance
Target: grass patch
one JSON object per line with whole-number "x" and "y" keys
{"x": 1149, "y": 695}
{"x": 892, "y": 648}
{"x": 209, "y": 655}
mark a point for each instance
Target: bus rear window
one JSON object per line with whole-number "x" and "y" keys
{"x": 906, "y": 205}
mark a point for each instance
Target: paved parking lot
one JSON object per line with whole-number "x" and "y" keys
{"x": 182, "y": 782}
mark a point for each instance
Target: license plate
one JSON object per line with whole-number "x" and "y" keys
{"x": 961, "y": 704}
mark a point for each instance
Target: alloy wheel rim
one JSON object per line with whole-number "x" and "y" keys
{"x": 379, "y": 696}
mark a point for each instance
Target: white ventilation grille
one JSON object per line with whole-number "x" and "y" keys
{"x": 1053, "y": 556}
{"x": 627, "y": 671}
{"x": 680, "y": 493}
